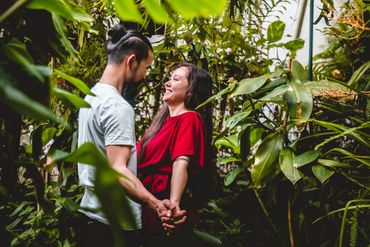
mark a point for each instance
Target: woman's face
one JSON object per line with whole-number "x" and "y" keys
{"x": 176, "y": 87}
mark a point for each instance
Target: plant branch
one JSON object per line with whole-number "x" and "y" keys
{"x": 274, "y": 227}
{"x": 12, "y": 9}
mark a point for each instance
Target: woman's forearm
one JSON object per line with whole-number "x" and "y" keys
{"x": 178, "y": 180}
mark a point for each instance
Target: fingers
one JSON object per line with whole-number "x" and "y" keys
{"x": 180, "y": 221}
{"x": 171, "y": 216}
{"x": 167, "y": 203}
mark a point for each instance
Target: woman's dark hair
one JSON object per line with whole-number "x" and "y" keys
{"x": 199, "y": 90}
{"x": 124, "y": 42}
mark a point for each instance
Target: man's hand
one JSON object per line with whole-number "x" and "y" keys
{"x": 165, "y": 208}
{"x": 176, "y": 218}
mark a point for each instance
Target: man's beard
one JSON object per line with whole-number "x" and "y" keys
{"x": 131, "y": 88}
{"x": 130, "y": 92}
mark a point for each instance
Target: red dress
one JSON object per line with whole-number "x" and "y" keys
{"x": 180, "y": 135}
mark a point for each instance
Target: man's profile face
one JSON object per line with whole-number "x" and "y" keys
{"x": 142, "y": 68}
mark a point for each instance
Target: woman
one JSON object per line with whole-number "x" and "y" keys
{"x": 174, "y": 149}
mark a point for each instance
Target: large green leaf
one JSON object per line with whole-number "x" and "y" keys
{"x": 250, "y": 85}
{"x": 128, "y": 11}
{"x": 23, "y": 104}
{"x": 300, "y": 102}
{"x": 274, "y": 84}
{"x": 274, "y": 93}
{"x": 207, "y": 238}
{"x": 275, "y": 31}
{"x": 62, "y": 31}
{"x": 156, "y": 11}
{"x": 232, "y": 121}
{"x": 218, "y": 95}
{"x": 226, "y": 160}
{"x": 294, "y": 46}
{"x": 228, "y": 142}
{"x": 265, "y": 160}
{"x": 87, "y": 153}
{"x": 70, "y": 98}
{"x": 110, "y": 193}
{"x": 298, "y": 71}
{"x": 318, "y": 87}
{"x": 16, "y": 51}
{"x": 48, "y": 134}
{"x": 75, "y": 81}
{"x": 332, "y": 163}
{"x": 286, "y": 161}
{"x": 62, "y": 8}
{"x": 230, "y": 177}
{"x": 200, "y": 8}
{"x": 322, "y": 173}
{"x": 306, "y": 158}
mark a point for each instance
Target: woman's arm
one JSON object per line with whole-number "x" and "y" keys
{"x": 179, "y": 179}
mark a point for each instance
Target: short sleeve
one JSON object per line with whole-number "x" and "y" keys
{"x": 189, "y": 139}
{"x": 117, "y": 122}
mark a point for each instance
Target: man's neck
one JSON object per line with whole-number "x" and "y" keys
{"x": 113, "y": 75}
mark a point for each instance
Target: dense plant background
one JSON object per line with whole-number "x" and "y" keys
{"x": 292, "y": 156}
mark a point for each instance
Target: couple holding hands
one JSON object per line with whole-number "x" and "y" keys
{"x": 162, "y": 167}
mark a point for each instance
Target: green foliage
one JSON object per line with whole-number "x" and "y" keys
{"x": 299, "y": 142}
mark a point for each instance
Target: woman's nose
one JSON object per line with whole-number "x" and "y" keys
{"x": 167, "y": 84}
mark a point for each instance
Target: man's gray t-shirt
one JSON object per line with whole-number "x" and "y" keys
{"x": 109, "y": 121}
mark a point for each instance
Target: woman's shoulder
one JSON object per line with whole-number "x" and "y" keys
{"x": 190, "y": 116}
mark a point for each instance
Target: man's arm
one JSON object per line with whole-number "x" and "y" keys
{"x": 118, "y": 157}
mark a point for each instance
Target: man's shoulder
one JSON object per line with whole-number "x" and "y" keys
{"x": 118, "y": 104}
{"x": 108, "y": 97}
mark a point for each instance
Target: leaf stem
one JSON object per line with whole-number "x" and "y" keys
{"x": 274, "y": 227}
{"x": 12, "y": 9}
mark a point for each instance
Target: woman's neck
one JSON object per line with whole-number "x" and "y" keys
{"x": 177, "y": 110}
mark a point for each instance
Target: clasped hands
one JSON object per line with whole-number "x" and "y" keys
{"x": 171, "y": 215}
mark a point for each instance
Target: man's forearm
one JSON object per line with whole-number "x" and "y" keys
{"x": 135, "y": 188}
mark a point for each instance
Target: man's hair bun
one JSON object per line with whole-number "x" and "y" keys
{"x": 116, "y": 33}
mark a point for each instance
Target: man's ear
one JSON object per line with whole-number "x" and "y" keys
{"x": 131, "y": 61}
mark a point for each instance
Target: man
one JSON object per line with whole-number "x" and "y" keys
{"x": 109, "y": 123}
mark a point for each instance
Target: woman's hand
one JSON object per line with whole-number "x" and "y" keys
{"x": 178, "y": 217}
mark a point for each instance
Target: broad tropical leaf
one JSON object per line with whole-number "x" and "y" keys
{"x": 70, "y": 98}
{"x": 156, "y": 11}
{"x": 23, "y": 104}
{"x": 265, "y": 163}
{"x": 250, "y": 85}
{"x": 275, "y": 31}
{"x": 300, "y": 102}
{"x": 274, "y": 93}
{"x": 322, "y": 173}
{"x": 74, "y": 81}
{"x": 299, "y": 72}
{"x": 201, "y": 8}
{"x": 232, "y": 121}
{"x": 306, "y": 158}
{"x": 128, "y": 11}
{"x": 287, "y": 166}
{"x": 63, "y": 8}
{"x": 229, "y": 142}
{"x": 230, "y": 177}
{"x": 108, "y": 190}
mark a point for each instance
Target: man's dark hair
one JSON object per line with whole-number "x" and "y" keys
{"x": 124, "y": 42}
